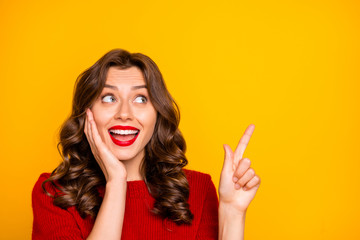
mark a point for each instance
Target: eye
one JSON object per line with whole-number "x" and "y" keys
{"x": 140, "y": 99}
{"x": 108, "y": 98}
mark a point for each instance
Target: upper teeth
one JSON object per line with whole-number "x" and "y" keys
{"x": 124, "y": 132}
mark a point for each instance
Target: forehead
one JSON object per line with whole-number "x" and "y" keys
{"x": 129, "y": 76}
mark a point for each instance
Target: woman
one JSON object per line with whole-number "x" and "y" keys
{"x": 122, "y": 173}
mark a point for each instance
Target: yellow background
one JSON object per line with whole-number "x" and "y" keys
{"x": 289, "y": 67}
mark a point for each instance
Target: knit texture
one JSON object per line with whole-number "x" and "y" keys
{"x": 52, "y": 222}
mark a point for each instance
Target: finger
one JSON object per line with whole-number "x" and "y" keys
{"x": 243, "y": 166}
{"x": 255, "y": 181}
{"x": 91, "y": 136}
{"x": 244, "y": 141}
{"x": 89, "y": 132}
{"x": 89, "y": 114}
{"x": 95, "y": 134}
{"x": 85, "y": 124}
{"x": 228, "y": 156}
{"x": 248, "y": 175}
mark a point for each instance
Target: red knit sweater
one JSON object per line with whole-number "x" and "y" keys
{"x": 52, "y": 222}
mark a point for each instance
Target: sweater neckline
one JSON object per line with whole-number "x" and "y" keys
{"x": 135, "y": 189}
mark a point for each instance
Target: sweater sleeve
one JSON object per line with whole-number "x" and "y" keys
{"x": 50, "y": 221}
{"x": 208, "y": 228}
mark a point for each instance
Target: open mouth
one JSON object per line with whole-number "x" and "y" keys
{"x": 123, "y": 135}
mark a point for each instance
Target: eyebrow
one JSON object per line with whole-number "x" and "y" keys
{"x": 132, "y": 88}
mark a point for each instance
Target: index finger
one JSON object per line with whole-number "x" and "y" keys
{"x": 244, "y": 140}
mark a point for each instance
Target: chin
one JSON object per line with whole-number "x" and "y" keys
{"x": 126, "y": 153}
{"x": 123, "y": 156}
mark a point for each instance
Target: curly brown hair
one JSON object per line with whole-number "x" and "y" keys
{"x": 78, "y": 177}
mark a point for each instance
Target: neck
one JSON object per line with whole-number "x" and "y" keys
{"x": 133, "y": 168}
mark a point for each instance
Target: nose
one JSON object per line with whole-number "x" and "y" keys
{"x": 124, "y": 111}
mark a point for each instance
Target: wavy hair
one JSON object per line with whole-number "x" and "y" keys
{"x": 78, "y": 177}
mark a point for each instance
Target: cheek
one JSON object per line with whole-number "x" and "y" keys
{"x": 101, "y": 118}
{"x": 151, "y": 119}
{"x": 101, "y": 130}
{"x": 148, "y": 119}
{"x": 152, "y": 124}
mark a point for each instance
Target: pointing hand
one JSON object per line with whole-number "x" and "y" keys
{"x": 238, "y": 182}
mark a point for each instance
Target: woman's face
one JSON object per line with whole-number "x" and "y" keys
{"x": 124, "y": 115}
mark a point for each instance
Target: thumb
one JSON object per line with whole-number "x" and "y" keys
{"x": 228, "y": 158}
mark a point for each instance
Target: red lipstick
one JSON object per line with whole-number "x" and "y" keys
{"x": 127, "y": 142}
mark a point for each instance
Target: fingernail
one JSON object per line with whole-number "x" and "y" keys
{"x": 235, "y": 179}
{"x": 237, "y": 186}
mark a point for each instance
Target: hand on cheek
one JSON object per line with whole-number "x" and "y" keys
{"x": 109, "y": 164}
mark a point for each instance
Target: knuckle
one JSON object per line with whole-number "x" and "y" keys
{"x": 251, "y": 172}
{"x": 258, "y": 178}
{"x": 247, "y": 161}
{"x": 241, "y": 182}
{"x": 239, "y": 174}
{"x": 238, "y": 171}
{"x": 244, "y": 180}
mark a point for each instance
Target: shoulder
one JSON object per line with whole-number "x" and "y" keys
{"x": 39, "y": 186}
{"x": 203, "y": 200}
{"x": 193, "y": 175}
{"x": 50, "y": 220}
{"x": 39, "y": 182}
{"x": 42, "y": 178}
{"x": 198, "y": 182}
